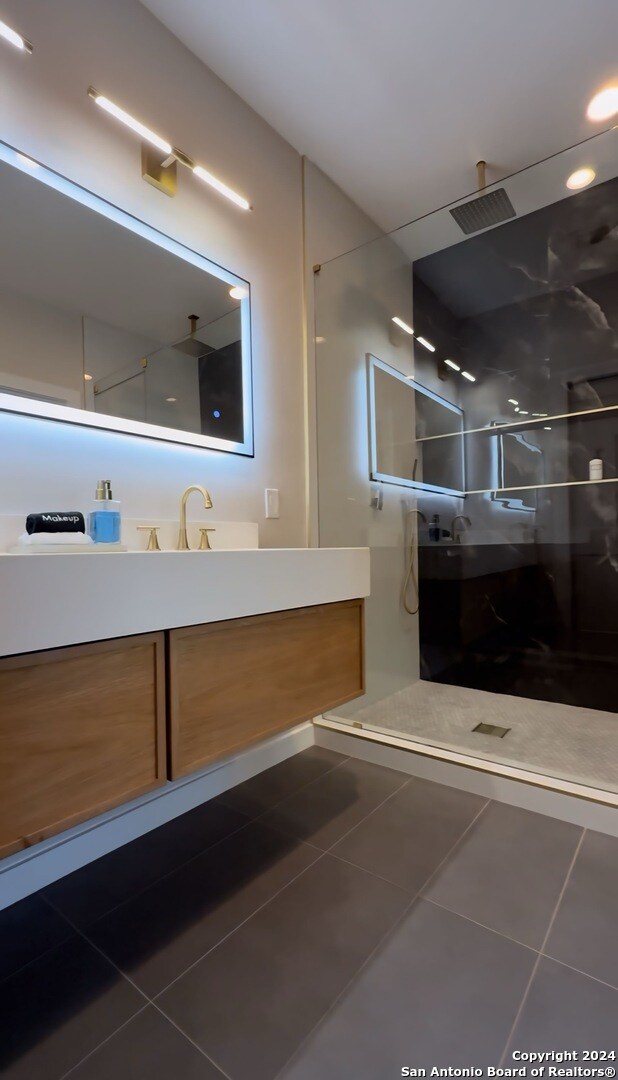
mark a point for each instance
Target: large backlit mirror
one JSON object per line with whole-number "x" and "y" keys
{"x": 416, "y": 436}
{"x": 106, "y": 322}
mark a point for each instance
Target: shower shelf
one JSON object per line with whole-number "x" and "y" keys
{"x": 539, "y": 487}
{"x": 521, "y": 425}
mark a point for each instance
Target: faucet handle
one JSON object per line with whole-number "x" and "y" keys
{"x": 153, "y": 539}
{"x": 205, "y": 540}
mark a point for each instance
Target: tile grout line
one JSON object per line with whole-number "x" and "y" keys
{"x": 180, "y": 1030}
{"x": 143, "y": 994}
{"x": 290, "y": 794}
{"x": 388, "y": 934}
{"x": 50, "y": 948}
{"x": 319, "y": 855}
{"x": 483, "y": 926}
{"x": 328, "y": 851}
{"x": 186, "y": 862}
{"x": 404, "y": 783}
{"x": 541, "y": 951}
{"x": 363, "y": 820}
{"x": 140, "y": 892}
{"x": 578, "y": 971}
{"x": 103, "y": 1042}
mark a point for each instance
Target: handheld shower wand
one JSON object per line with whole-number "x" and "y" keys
{"x": 413, "y": 606}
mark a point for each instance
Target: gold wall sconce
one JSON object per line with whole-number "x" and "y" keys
{"x": 160, "y": 158}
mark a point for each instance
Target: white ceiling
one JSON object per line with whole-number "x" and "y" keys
{"x": 396, "y": 100}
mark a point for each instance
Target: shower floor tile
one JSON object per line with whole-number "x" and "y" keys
{"x": 561, "y": 741}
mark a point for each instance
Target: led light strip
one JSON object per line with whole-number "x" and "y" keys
{"x": 172, "y": 152}
{"x": 14, "y": 38}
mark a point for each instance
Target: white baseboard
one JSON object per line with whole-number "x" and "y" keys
{"x": 28, "y": 871}
{"x": 581, "y": 806}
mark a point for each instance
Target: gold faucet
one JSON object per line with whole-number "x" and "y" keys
{"x": 183, "y": 543}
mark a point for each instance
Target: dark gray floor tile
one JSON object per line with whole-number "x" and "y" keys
{"x": 441, "y": 991}
{"x": 95, "y": 889}
{"x": 261, "y": 792}
{"x": 147, "y": 1048}
{"x": 584, "y": 934}
{"x": 59, "y": 1008}
{"x": 326, "y": 809}
{"x": 508, "y": 872}
{"x": 159, "y": 933}
{"x": 566, "y": 1011}
{"x": 407, "y": 838}
{"x": 251, "y": 1001}
{"x": 27, "y": 930}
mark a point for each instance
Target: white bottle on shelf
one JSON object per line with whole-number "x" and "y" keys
{"x": 595, "y": 469}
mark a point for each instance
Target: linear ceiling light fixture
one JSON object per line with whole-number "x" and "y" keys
{"x": 14, "y": 38}
{"x": 427, "y": 344}
{"x": 402, "y": 325}
{"x": 468, "y": 376}
{"x": 453, "y": 365}
{"x": 161, "y": 172}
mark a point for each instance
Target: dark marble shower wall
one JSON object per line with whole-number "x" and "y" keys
{"x": 524, "y": 600}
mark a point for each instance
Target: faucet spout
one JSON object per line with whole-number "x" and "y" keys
{"x": 183, "y": 542}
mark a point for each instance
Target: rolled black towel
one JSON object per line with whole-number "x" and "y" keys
{"x": 56, "y": 521}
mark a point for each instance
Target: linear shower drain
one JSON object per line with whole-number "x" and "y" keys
{"x": 492, "y": 729}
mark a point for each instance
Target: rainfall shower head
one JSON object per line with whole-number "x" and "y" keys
{"x": 191, "y": 345}
{"x": 485, "y": 210}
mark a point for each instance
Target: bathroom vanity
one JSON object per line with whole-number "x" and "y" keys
{"x": 126, "y": 673}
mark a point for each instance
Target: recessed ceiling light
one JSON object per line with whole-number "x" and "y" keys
{"x": 239, "y": 292}
{"x": 512, "y": 401}
{"x": 522, "y": 412}
{"x": 15, "y": 39}
{"x": 547, "y": 429}
{"x": 453, "y": 365}
{"x": 427, "y": 344}
{"x": 604, "y": 105}
{"x": 171, "y": 400}
{"x": 517, "y": 409}
{"x": 402, "y": 324}
{"x": 580, "y": 178}
{"x": 468, "y": 376}
{"x": 87, "y": 377}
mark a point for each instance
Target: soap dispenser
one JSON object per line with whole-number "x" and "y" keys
{"x": 104, "y": 519}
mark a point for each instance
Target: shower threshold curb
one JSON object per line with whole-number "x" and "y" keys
{"x": 553, "y": 785}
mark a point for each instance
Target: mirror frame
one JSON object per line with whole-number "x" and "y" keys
{"x": 409, "y": 382}
{"x": 30, "y": 406}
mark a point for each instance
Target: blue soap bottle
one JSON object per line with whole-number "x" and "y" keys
{"x": 104, "y": 519}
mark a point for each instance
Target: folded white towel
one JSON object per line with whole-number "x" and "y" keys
{"x": 27, "y": 539}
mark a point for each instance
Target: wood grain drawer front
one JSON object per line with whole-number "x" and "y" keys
{"x": 81, "y": 730}
{"x": 233, "y": 683}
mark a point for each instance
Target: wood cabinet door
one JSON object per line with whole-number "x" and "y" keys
{"x": 82, "y": 729}
{"x": 233, "y": 683}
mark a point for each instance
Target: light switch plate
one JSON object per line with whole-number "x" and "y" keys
{"x": 271, "y": 502}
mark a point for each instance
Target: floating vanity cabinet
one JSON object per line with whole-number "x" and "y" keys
{"x": 233, "y": 683}
{"x": 82, "y": 729}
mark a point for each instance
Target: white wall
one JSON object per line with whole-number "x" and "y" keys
{"x": 120, "y": 48}
{"x": 40, "y": 349}
{"x": 351, "y": 302}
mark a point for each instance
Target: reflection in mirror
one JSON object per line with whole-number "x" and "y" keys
{"x": 105, "y": 321}
{"x": 416, "y": 436}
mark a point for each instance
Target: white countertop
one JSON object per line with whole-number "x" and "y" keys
{"x": 47, "y": 601}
